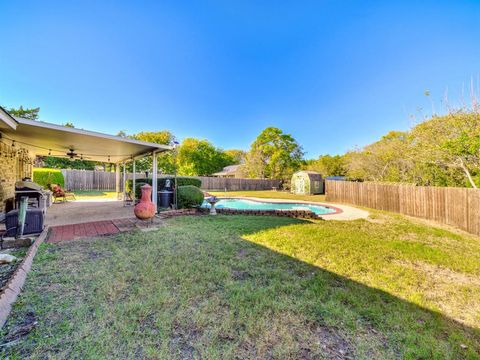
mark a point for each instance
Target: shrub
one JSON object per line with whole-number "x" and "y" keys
{"x": 45, "y": 177}
{"x": 189, "y": 196}
{"x": 181, "y": 181}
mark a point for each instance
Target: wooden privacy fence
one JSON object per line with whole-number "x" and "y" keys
{"x": 232, "y": 184}
{"x": 102, "y": 180}
{"x": 459, "y": 207}
{"x": 88, "y": 180}
{"x": 93, "y": 180}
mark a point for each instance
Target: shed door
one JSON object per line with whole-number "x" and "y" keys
{"x": 301, "y": 185}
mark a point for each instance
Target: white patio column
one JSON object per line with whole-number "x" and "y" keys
{"x": 133, "y": 181}
{"x": 154, "y": 177}
{"x": 124, "y": 180}
{"x": 117, "y": 180}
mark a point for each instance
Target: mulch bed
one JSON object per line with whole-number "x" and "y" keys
{"x": 6, "y": 271}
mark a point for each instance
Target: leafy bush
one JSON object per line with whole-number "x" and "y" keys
{"x": 181, "y": 181}
{"x": 45, "y": 177}
{"x": 189, "y": 196}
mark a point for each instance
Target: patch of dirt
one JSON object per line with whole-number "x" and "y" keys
{"x": 240, "y": 275}
{"x": 51, "y": 250}
{"x": 438, "y": 225}
{"x": 182, "y": 340}
{"x": 376, "y": 219}
{"x": 7, "y": 270}
{"x": 441, "y": 274}
{"x": 454, "y": 293}
{"x": 94, "y": 255}
{"x": 21, "y": 329}
{"x": 334, "y": 346}
{"x": 411, "y": 236}
{"x": 242, "y": 253}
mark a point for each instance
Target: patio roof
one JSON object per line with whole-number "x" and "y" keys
{"x": 6, "y": 120}
{"x": 43, "y": 138}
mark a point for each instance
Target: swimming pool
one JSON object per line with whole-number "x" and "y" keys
{"x": 244, "y": 204}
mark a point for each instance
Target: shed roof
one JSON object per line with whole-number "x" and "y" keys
{"x": 313, "y": 175}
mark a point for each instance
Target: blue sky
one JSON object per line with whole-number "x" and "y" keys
{"x": 335, "y": 74}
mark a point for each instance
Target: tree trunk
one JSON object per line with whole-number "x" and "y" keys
{"x": 467, "y": 173}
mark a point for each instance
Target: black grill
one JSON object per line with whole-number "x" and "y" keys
{"x": 32, "y": 190}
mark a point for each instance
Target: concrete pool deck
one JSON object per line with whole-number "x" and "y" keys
{"x": 348, "y": 213}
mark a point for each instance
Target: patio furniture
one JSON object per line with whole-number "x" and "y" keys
{"x": 128, "y": 199}
{"x": 59, "y": 193}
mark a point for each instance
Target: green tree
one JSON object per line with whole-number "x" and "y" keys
{"x": 165, "y": 159}
{"x": 238, "y": 156}
{"x": 200, "y": 157}
{"x": 64, "y": 163}
{"x": 441, "y": 151}
{"x": 27, "y": 113}
{"x": 388, "y": 159}
{"x": 164, "y": 137}
{"x": 328, "y": 165}
{"x": 450, "y": 142}
{"x": 274, "y": 155}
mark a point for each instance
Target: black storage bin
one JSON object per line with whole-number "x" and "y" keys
{"x": 164, "y": 199}
{"x": 33, "y": 222}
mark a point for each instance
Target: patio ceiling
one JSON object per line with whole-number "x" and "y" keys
{"x": 43, "y": 138}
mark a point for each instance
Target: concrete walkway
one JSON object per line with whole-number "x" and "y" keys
{"x": 348, "y": 213}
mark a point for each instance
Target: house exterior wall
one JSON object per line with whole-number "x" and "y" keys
{"x": 15, "y": 163}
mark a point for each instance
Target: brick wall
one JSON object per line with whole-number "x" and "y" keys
{"x": 15, "y": 163}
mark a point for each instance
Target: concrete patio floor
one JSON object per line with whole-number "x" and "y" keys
{"x": 77, "y": 212}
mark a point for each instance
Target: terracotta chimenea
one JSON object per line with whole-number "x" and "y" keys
{"x": 145, "y": 209}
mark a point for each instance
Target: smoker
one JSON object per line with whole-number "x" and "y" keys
{"x": 165, "y": 196}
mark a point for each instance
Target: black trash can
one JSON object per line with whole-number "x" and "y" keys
{"x": 165, "y": 199}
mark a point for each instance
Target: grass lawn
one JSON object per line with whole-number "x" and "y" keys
{"x": 268, "y": 194}
{"x": 230, "y": 287}
{"x": 94, "y": 194}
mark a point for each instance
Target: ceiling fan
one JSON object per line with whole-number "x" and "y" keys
{"x": 73, "y": 155}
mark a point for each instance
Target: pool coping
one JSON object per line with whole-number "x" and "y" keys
{"x": 287, "y": 201}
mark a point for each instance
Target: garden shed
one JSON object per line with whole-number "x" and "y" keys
{"x": 307, "y": 183}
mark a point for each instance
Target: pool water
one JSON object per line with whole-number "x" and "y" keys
{"x": 243, "y": 204}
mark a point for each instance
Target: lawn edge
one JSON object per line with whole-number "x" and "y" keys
{"x": 13, "y": 287}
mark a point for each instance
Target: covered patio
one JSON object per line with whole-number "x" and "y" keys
{"x": 30, "y": 138}
{"x": 76, "y": 212}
